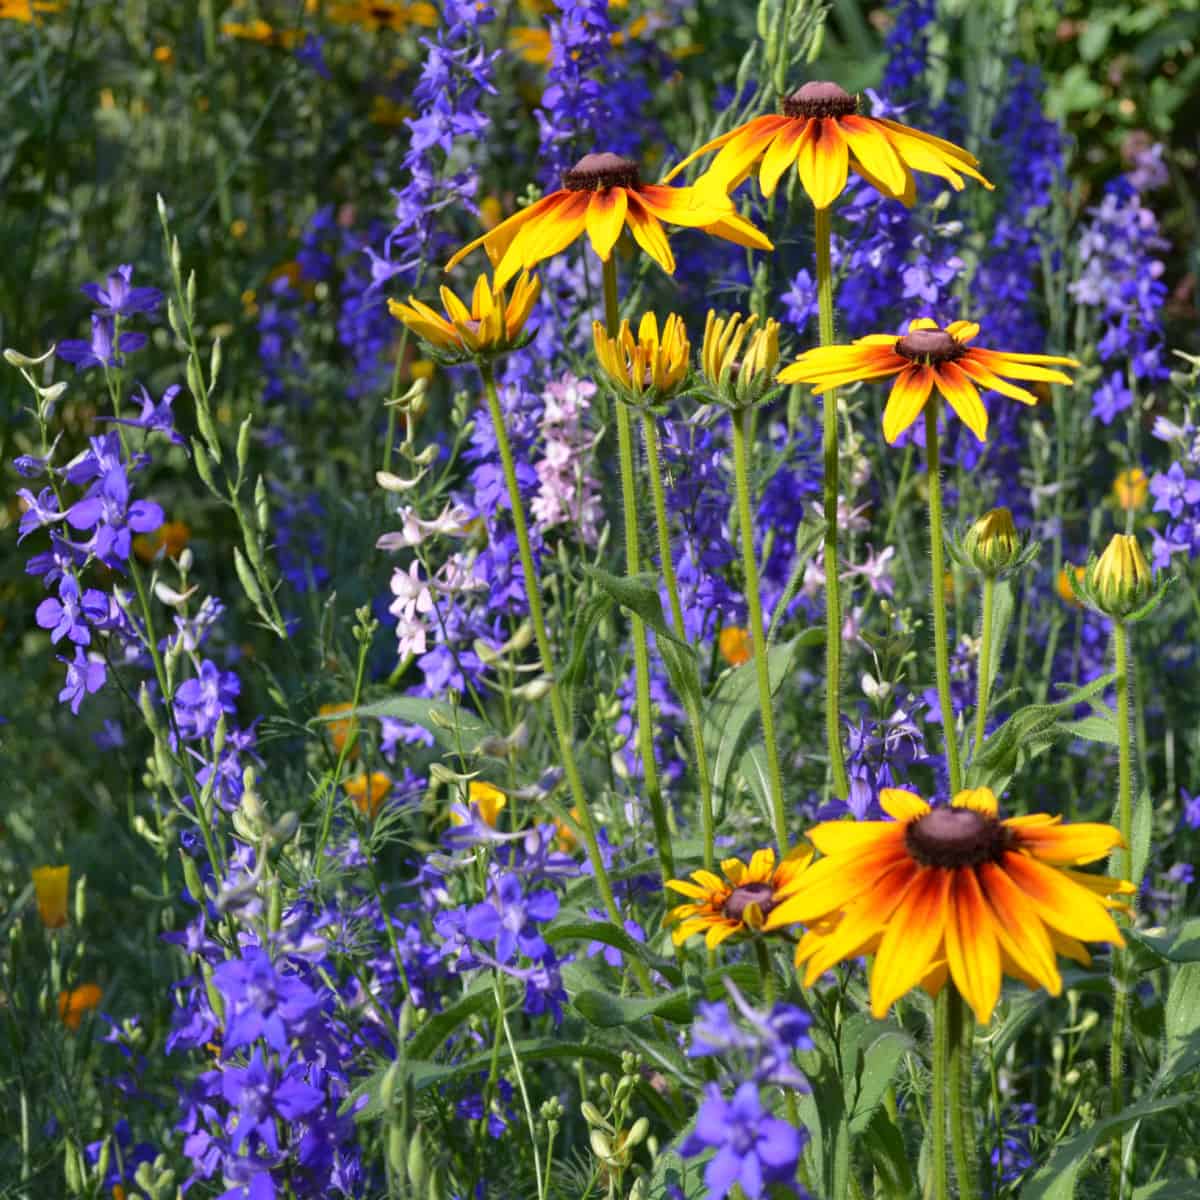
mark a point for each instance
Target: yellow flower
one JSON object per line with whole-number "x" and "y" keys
{"x": 396, "y": 15}
{"x": 1120, "y": 580}
{"x": 565, "y": 838}
{"x": 1064, "y": 586}
{"x": 1130, "y": 488}
{"x": 924, "y": 357}
{"x": 952, "y": 892}
{"x": 74, "y": 1003}
{"x": 822, "y": 134}
{"x": 339, "y": 731}
{"x": 164, "y": 55}
{"x": 647, "y": 365}
{"x": 51, "y": 884}
{"x": 369, "y": 792}
{"x": 26, "y": 11}
{"x": 992, "y": 542}
{"x": 734, "y": 645}
{"x": 739, "y": 378}
{"x": 169, "y": 538}
{"x": 491, "y": 325}
{"x": 265, "y": 34}
{"x": 600, "y": 195}
{"x": 742, "y": 900}
{"x": 487, "y": 800}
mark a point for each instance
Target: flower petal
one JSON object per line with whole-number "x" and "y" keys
{"x": 1069, "y": 844}
{"x": 907, "y": 399}
{"x": 780, "y": 155}
{"x": 605, "y": 219}
{"x": 912, "y": 941}
{"x": 833, "y": 883}
{"x": 963, "y": 397}
{"x": 1019, "y": 928}
{"x": 1060, "y": 902}
{"x": 823, "y": 160}
{"x": 902, "y": 805}
{"x": 981, "y": 800}
{"x": 870, "y": 145}
{"x": 649, "y": 234}
{"x": 972, "y": 952}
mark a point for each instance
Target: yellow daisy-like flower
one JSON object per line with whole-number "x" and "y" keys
{"x": 648, "y": 364}
{"x": 493, "y": 324}
{"x": 923, "y": 358}
{"x": 26, "y": 11}
{"x": 952, "y": 892}
{"x": 50, "y": 886}
{"x": 742, "y": 900}
{"x": 74, "y": 1003}
{"x": 373, "y": 15}
{"x": 821, "y": 132}
{"x": 601, "y": 195}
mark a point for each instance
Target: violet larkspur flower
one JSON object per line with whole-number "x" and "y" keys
{"x": 1173, "y": 491}
{"x": 262, "y": 1001}
{"x": 115, "y": 297}
{"x": 200, "y": 701}
{"x": 108, "y": 509}
{"x": 263, "y": 1093}
{"x": 99, "y": 351}
{"x": 86, "y": 674}
{"x": 509, "y": 918}
{"x": 155, "y": 417}
{"x": 752, "y": 1148}
{"x": 70, "y": 613}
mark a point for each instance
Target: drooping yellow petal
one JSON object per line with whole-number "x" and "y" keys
{"x": 1018, "y": 927}
{"x": 987, "y": 379}
{"x": 716, "y": 144}
{"x": 780, "y": 155}
{"x": 907, "y": 399}
{"x": 869, "y": 144}
{"x": 849, "y": 837}
{"x": 963, "y": 397}
{"x": 902, "y": 805}
{"x": 1069, "y": 844}
{"x": 605, "y": 219}
{"x": 823, "y": 160}
{"x": 1061, "y": 904}
{"x": 980, "y": 800}
{"x": 498, "y": 239}
{"x": 833, "y": 883}
{"x": 552, "y": 231}
{"x": 740, "y": 153}
{"x": 972, "y": 951}
{"x": 912, "y": 940}
{"x": 649, "y": 234}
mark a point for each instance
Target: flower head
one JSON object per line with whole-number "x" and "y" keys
{"x": 1119, "y": 582}
{"x": 73, "y": 1004}
{"x": 489, "y": 801}
{"x": 1130, "y": 488}
{"x": 50, "y": 885}
{"x": 821, "y": 132}
{"x": 741, "y": 901}
{"x": 924, "y": 357}
{"x": 992, "y": 546}
{"x": 952, "y": 892}
{"x": 601, "y": 195}
{"x": 739, "y": 360}
{"x": 369, "y": 792}
{"x": 648, "y": 367}
{"x": 735, "y": 646}
{"x": 492, "y": 325}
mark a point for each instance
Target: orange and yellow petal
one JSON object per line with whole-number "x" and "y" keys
{"x": 913, "y": 939}
{"x": 605, "y": 219}
{"x": 875, "y": 154}
{"x": 823, "y": 160}
{"x": 780, "y": 154}
{"x": 740, "y": 153}
{"x": 902, "y": 805}
{"x": 1069, "y": 845}
{"x": 648, "y": 232}
{"x": 833, "y": 883}
{"x": 963, "y": 397}
{"x": 1060, "y": 903}
{"x": 972, "y": 950}
{"x": 906, "y": 400}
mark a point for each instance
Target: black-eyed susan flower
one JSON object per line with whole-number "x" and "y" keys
{"x": 738, "y": 358}
{"x": 921, "y": 359}
{"x": 494, "y": 323}
{"x": 374, "y": 15}
{"x": 74, "y": 1003}
{"x": 741, "y": 901}
{"x": 650, "y": 366}
{"x": 50, "y": 886}
{"x": 821, "y": 132}
{"x": 952, "y": 892}
{"x": 601, "y": 195}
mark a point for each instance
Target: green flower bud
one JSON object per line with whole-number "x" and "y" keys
{"x": 1120, "y": 581}
{"x": 992, "y": 543}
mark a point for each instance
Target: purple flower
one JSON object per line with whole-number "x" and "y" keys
{"x": 752, "y": 1148}
{"x": 509, "y": 918}
{"x": 1174, "y": 490}
{"x": 261, "y": 1001}
{"x": 155, "y": 417}
{"x": 1191, "y": 809}
{"x": 40, "y": 510}
{"x": 70, "y": 614}
{"x": 200, "y": 701}
{"x": 107, "y": 508}
{"x": 1111, "y": 397}
{"x": 99, "y": 351}
{"x": 116, "y": 298}
{"x": 263, "y": 1093}
{"x": 86, "y": 674}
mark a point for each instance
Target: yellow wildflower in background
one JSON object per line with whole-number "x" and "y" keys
{"x": 952, "y": 892}
{"x": 73, "y": 1004}
{"x": 647, "y": 364}
{"x": 1130, "y": 489}
{"x": 923, "y": 358}
{"x": 339, "y": 731}
{"x": 26, "y": 11}
{"x": 51, "y": 885}
{"x": 369, "y": 792}
{"x": 485, "y": 799}
{"x": 374, "y": 15}
{"x": 171, "y": 538}
{"x": 1063, "y": 585}
{"x": 735, "y": 646}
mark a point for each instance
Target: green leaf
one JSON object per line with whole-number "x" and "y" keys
{"x": 611, "y": 935}
{"x": 1056, "y": 1180}
{"x": 437, "y": 1028}
{"x": 1167, "y": 1189}
{"x": 608, "y": 1010}
{"x": 453, "y": 727}
{"x": 754, "y": 770}
{"x": 1002, "y": 614}
{"x": 885, "y": 1144}
{"x": 1181, "y": 1022}
{"x": 597, "y": 607}
{"x": 1182, "y": 946}
{"x": 1143, "y": 828}
{"x": 871, "y": 1052}
{"x": 1094, "y": 728}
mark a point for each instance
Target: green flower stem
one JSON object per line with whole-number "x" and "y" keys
{"x": 833, "y": 597}
{"x": 984, "y": 669}
{"x": 741, "y": 467}
{"x": 558, "y": 710}
{"x": 641, "y": 649}
{"x": 936, "y": 554}
{"x": 937, "y": 1134}
{"x": 654, "y": 464}
{"x": 1123, "y": 861}
{"x": 960, "y": 1035}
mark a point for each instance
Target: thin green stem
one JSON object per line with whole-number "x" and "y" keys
{"x": 765, "y": 973}
{"x": 833, "y": 597}
{"x": 984, "y": 669}
{"x": 937, "y": 556}
{"x": 962, "y": 1126}
{"x": 658, "y": 492}
{"x": 937, "y": 1132}
{"x": 641, "y": 647}
{"x": 741, "y": 467}
{"x": 558, "y": 710}
{"x": 516, "y": 1061}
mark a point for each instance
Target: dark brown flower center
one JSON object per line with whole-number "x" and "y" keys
{"x": 761, "y": 894}
{"x": 930, "y": 346}
{"x": 819, "y": 99}
{"x": 956, "y": 837}
{"x": 595, "y": 171}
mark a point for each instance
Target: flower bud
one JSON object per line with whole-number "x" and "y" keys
{"x": 992, "y": 544}
{"x": 51, "y": 884}
{"x": 739, "y": 360}
{"x": 1120, "y": 580}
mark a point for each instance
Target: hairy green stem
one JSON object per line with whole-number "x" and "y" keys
{"x": 537, "y": 617}
{"x": 741, "y": 467}
{"x": 937, "y": 1132}
{"x": 984, "y": 669}
{"x": 641, "y": 648}
{"x": 936, "y": 554}
{"x": 658, "y": 492}
{"x": 833, "y": 597}
{"x": 960, "y": 1036}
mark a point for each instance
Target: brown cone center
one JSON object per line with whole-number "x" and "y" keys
{"x": 819, "y": 99}
{"x": 956, "y": 837}
{"x": 761, "y": 894}
{"x": 595, "y": 171}
{"x": 929, "y": 345}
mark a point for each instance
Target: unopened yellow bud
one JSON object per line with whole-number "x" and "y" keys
{"x": 1120, "y": 580}
{"x": 51, "y": 884}
{"x": 739, "y": 360}
{"x": 647, "y": 367}
{"x": 992, "y": 543}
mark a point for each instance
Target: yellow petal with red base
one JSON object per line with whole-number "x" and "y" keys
{"x": 907, "y": 399}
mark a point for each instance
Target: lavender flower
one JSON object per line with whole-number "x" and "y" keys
{"x": 99, "y": 350}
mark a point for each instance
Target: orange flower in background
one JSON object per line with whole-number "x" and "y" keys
{"x": 171, "y": 538}
{"x": 1063, "y": 584}
{"x": 734, "y": 645}
{"x": 374, "y": 15}
{"x": 1130, "y": 489}
{"x": 922, "y": 359}
{"x": 74, "y": 1003}
{"x": 26, "y": 11}
{"x": 821, "y": 133}
{"x": 339, "y": 731}
{"x": 601, "y": 195}
{"x": 743, "y": 900}
{"x": 51, "y": 885}
{"x": 952, "y": 892}
{"x": 265, "y": 34}
{"x": 369, "y": 792}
